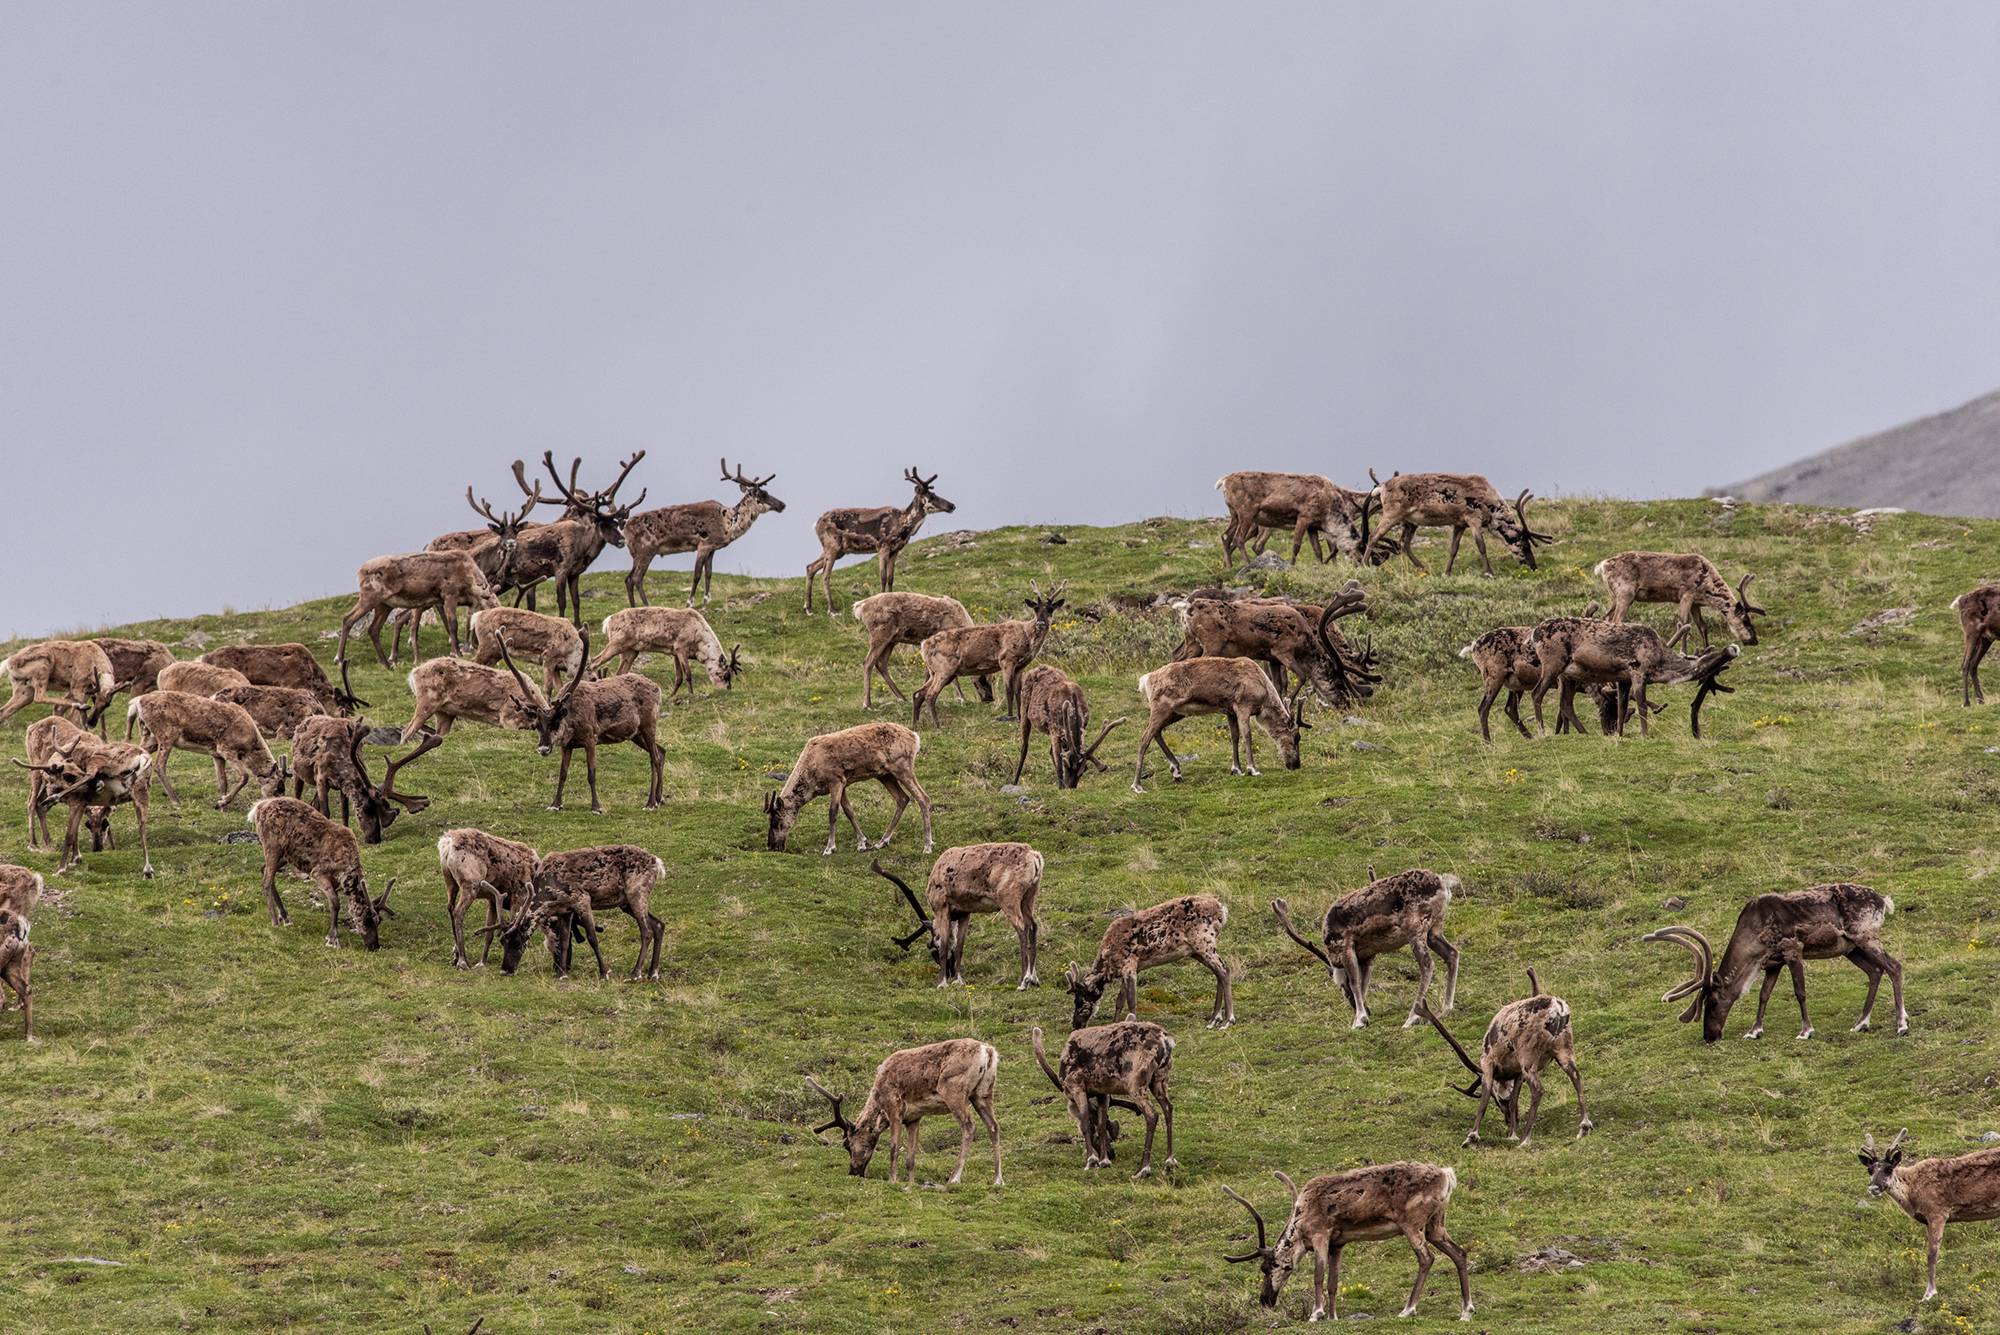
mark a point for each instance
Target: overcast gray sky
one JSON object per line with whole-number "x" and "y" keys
{"x": 281, "y": 279}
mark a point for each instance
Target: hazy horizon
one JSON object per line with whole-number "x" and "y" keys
{"x": 289, "y": 278}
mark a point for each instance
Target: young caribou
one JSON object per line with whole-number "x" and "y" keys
{"x": 1935, "y": 1192}
{"x": 1406, "y": 909}
{"x": 1360, "y": 1205}
{"x": 884, "y": 530}
{"x": 1053, "y": 704}
{"x": 681, "y": 632}
{"x": 297, "y": 838}
{"x": 830, "y": 762}
{"x": 978, "y": 878}
{"x": 1524, "y": 1037}
{"x": 1235, "y": 687}
{"x": 224, "y": 732}
{"x": 1180, "y": 929}
{"x": 1006, "y": 647}
{"x": 1126, "y": 1064}
{"x": 701, "y": 527}
{"x": 1459, "y": 502}
{"x": 1686, "y": 579}
{"x": 956, "y": 1077}
{"x": 1783, "y": 931}
{"x": 906, "y": 618}
{"x": 1979, "y": 620}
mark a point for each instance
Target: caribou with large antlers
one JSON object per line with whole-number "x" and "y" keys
{"x": 977, "y": 878}
{"x": 701, "y": 527}
{"x": 884, "y": 530}
{"x": 563, "y": 550}
{"x": 1286, "y": 638}
{"x": 956, "y": 1076}
{"x": 1461, "y": 502}
{"x": 1979, "y": 620}
{"x": 1051, "y": 703}
{"x": 1306, "y": 503}
{"x": 1405, "y": 1200}
{"x": 1525, "y": 1036}
{"x": 89, "y": 776}
{"x": 326, "y": 757}
{"x": 1962, "y": 1189}
{"x": 1235, "y": 687}
{"x": 831, "y": 762}
{"x": 1583, "y": 652}
{"x": 1783, "y": 931}
{"x": 492, "y": 548}
{"x": 590, "y": 714}
{"x": 297, "y": 837}
{"x": 1406, "y": 909}
{"x": 1127, "y": 1064}
{"x": 286, "y": 665}
{"x": 1006, "y": 647}
{"x": 1686, "y": 579}
{"x": 1180, "y": 929}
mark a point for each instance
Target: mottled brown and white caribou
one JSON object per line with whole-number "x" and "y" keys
{"x": 956, "y": 1077}
{"x": 1962, "y": 1189}
{"x": 1979, "y": 620}
{"x": 1688, "y": 580}
{"x": 534, "y": 637}
{"x": 701, "y": 527}
{"x": 884, "y": 530}
{"x": 1783, "y": 931}
{"x": 171, "y": 720}
{"x": 1234, "y": 687}
{"x": 1506, "y": 660}
{"x": 77, "y": 770}
{"x": 1407, "y": 909}
{"x": 1525, "y": 1036}
{"x": 1287, "y": 638}
{"x": 976, "y": 878}
{"x": 450, "y": 689}
{"x": 278, "y": 710}
{"x": 326, "y": 758}
{"x": 589, "y": 714}
{"x": 561, "y": 551}
{"x": 297, "y": 838}
{"x": 20, "y": 890}
{"x": 1461, "y": 502}
{"x": 492, "y": 548}
{"x": 1311, "y": 506}
{"x": 198, "y": 678}
{"x": 680, "y": 632}
{"x": 1005, "y": 647}
{"x": 1582, "y": 652}
{"x": 906, "y": 618}
{"x": 564, "y": 893}
{"x": 65, "y": 674}
{"x": 1126, "y": 1064}
{"x": 286, "y": 665}
{"x": 1052, "y": 704}
{"x": 831, "y": 762}
{"x": 1180, "y": 929}
{"x": 414, "y": 581}
{"x": 479, "y": 866}
{"x": 1406, "y": 1200}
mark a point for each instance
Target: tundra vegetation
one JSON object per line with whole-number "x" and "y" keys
{"x": 262, "y": 1133}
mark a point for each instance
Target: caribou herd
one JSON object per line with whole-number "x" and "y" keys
{"x": 1258, "y": 661}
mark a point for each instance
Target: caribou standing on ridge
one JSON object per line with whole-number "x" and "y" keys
{"x": 884, "y": 530}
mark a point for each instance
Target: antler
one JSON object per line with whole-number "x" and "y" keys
{"x": 1090, "y": 753}
{"x": 1698, "y": 946}
{"x": 1743, "y": 595}
{"x": 1527, "y": 530}
{"x": 624, "y": 471}
{"x": 838, "y": 1120}
{"x": 527, "y": 692}
{"x": 1708, "y": 669}
{"x": 410, "y": 802}
{"x": 1424, "y": 1009}
{"x": 1262, "y": 1245}
{"x": 923, "y": 918}
{"x": 1284, "y": 912}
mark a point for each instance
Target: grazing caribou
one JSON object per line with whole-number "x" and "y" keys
{"x": 1783, "y": 931}
{"x": 224, "y": 732}
{"x": 1407, "y": 909}
{"x": 1461, "y": 502}
{"x": 1524, "y": 1037}
{"x": 1235, "y": 687}
{"x": 414, "y": 581}
{"x": 1405, "y": 1200}
{"x": 326, "y": 757}
{"x": 1962, "y": 1189}
{"x": 450, "y": 689}
{"x": 286, "y": 665}
{"x": 199, "y": 678}
{"x": 956, "y": 1077}
{"x": 20, "y": 891}
{"x": 1686, "y": 579}
{"x": 1126, "y": 1064}
{"x": 1979, "y": 619}
{"x": 480, "y": 866}
{"x": 830, "y": 762}
{"x": 1306, "y": 503}
{"x": 701, "y": 527}
{"x": 537, "y": 637}
{"x": 680, "y": 632}
{"x": 1582, "y": 652}
{"x": 906, "y": 618}
{"x": 1052, "y": 704}
{"x": 297, "y": 838}
{"x": 977, "y": 878}
{"x": 278, "y": 710}
{"x": 1006, "y": 647}
{"x": 135, "y": 662}
{"x": 567, "y": 888}
{"x": 884, "y": 530}
{"x": 1505, "y": 657}
{"x": 1180, "y": 929}
{"x": 1285, "y": 638}
{"x": 89, "y": 776}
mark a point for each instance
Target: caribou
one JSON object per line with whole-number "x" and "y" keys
{"x": 1052, "y": 704}
{"x": 1582, "y": 651}
{"x": 977, "y": 878}
{"x": 1689, "y": 581}
{"x": 1524, "y": 1037}
{"x": 884, "y": 530}
{"x": 1235, "y": 687}
{"x": 701, "y": 527}
{"x": 89, "y": 776}
{"x": 956, "y": 1077}
{"x": 1935, "y": 1192}
{"x": 1306, "y": 503}
{"x": 974, "y": 651}
{"x": 1180, "y": 929}
{"x": 1126, "y": 1064}
{"x": 1979, "y": 620}
{"x": 1461, "y": 502}
{"x": 1406, "y": 909}
{"x": 831, "y": 762}
{"x": 297, "y": 837}
{"x": 907, "y": 618}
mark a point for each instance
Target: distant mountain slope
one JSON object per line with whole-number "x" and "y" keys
{"x": 1941, "y": 465}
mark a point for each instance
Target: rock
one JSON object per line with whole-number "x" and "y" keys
{"x": 1547, "y": 1259}
{"x": 239, "y": 837}
{"x": 1013, "y": 788}
{"x": 1990, "y": 1136}
{"x": 1873, "y": 511}
{"x": 1267, "y": 562}
{"x": 383, "y": 736}
{"x": 1198, "y": 544}
{"x": 1055, "y": 540}
{"x": 329, "y": 635}
{"x": 1365, "y": 746}
{"x": 1888, "y": 616}
{"x": 197, "y": 639}
{"x": 1356, "y": 721}
{"x": 1674, "y": 903}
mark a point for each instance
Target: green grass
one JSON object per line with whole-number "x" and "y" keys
{"x": 266, "y": 1134}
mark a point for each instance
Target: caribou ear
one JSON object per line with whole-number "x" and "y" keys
{"x": 1868, "y": 1160}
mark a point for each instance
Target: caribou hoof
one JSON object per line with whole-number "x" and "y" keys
{"x": 1902, "y": 1028}
{"x": 333, "y": 943}
{"x": 553, "y": 806}
{"x": 1805, "y": 1033}
{"x": 1147, "y": 1171}
{"x": 1584, "y": 1128}
{"x": 827, "y": 852}
{"x": 1137, "y": 789}
{"x": 1253, "y": 771}
{"x": 1754, "y": 1034}
{"x": 1471, "y": 1139}
{"x": 1860, "y": 1028}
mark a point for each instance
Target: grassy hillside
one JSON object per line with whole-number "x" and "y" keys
{"x": 262, "y": 1133}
